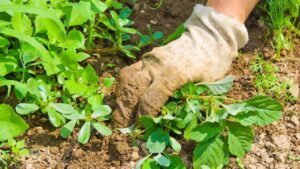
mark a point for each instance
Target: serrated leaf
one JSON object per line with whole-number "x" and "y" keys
{"x": 11, "y": 124}
{"x": 205, "y": 131}
{"x": 260, "y": 110}
{"x": 26, "y": 108}
{"x": 84, "y": 133}
{"x": 105, "y": 131}
{"x": 67, "y": 129}
{"x": 221, "y": 86}
{"x": 162, "y": 160}
{"x": 209, "y": 153}
{"x": 240, "y": 138}
{"x": 158, "y": 141}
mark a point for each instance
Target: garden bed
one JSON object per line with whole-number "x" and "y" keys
{"x": 275, "y": 146}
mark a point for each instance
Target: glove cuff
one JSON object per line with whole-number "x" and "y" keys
{"x": 232, "y": 31}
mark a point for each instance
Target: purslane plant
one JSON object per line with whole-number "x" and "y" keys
{"x": 219, "y": 126}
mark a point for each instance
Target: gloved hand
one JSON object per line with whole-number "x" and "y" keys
{"x": 203, "y": 53}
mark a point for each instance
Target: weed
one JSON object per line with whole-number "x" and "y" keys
{"x": 282, "y": 16}
{"x": 268, "y": 82}
{"x": 219, "y": 125}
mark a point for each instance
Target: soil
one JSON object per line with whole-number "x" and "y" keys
{"x": 275, "y": 146}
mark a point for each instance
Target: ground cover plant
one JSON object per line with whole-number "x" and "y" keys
{"x": 218, "y": 125}
{"x": 44, "y": 48}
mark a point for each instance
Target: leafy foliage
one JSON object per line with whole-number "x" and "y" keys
{"x": 219, "y": 125}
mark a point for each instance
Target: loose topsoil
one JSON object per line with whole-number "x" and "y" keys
{"x": 275, "y": 145}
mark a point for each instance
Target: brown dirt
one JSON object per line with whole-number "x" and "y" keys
{"x": 274, "y": 145}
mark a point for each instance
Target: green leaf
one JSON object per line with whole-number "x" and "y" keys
{"x": 149, "y": 164}
{"x": 48, "y": 63}
{"x": 55, "y": 118}
{"x": 209, "y": 153}
{"x": 125, "y": 13}
{"x": 221, "y": 86}
{"x": 54, "y": 34}
{"x": 89, "y": 76}
{"x": 101, "y": 110}
{"x": 20, "y": 91}
{"x": 189, "y": 128}
{"x": 260, "y": 110}
{"x": 75, "y": 40}
{"x": 11, "y": 142}
{"x": 175, "y": 145}
{"x": 63, "y": 108}
{"x": 162, "y": 160}
{"x": 158, "y": 35}
{"x": 3, "y": 42}
{"x": 77, "y": 13}
{"x": 8, "y": 64}
{"x": 11, "y": 124}
{"x": 20, "y": 144}
{"x": 176, "y": 34}
{"x": 84, "y": 133}
{"x": 26, "y": 108}
{"x": 158, "y": 141}
{"x": 146, "y": 121}
{"x": 46, "y": 13}
{"x": 21, "y": 23}
{"x": 108, "y": 82}
{"x": 105, "y": 131}
{"x": 176, "y": 162}
{"x": 239, "y": 138}
{"x": 97, "y": 6}
{"x": 205, "y": 131}
{"x": 82, "y": 56}
{"x": 24, "y": 152}
{"x": 67, "y": 129}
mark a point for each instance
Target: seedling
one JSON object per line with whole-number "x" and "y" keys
{"x": 282, "y": 16}
{"x": 220, "y": 126}
{"x": 268, "y": 82}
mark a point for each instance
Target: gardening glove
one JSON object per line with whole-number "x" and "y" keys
{"x": 204, "y": 52}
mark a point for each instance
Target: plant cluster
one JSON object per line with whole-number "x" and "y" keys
{"x": 267, "y": 80}
{"x": 219, "y": 126}
{"x": 43, "y": 48}
{"x": 282, "y": 17}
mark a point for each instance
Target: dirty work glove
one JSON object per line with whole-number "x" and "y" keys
{"x": 204, "y": 52}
